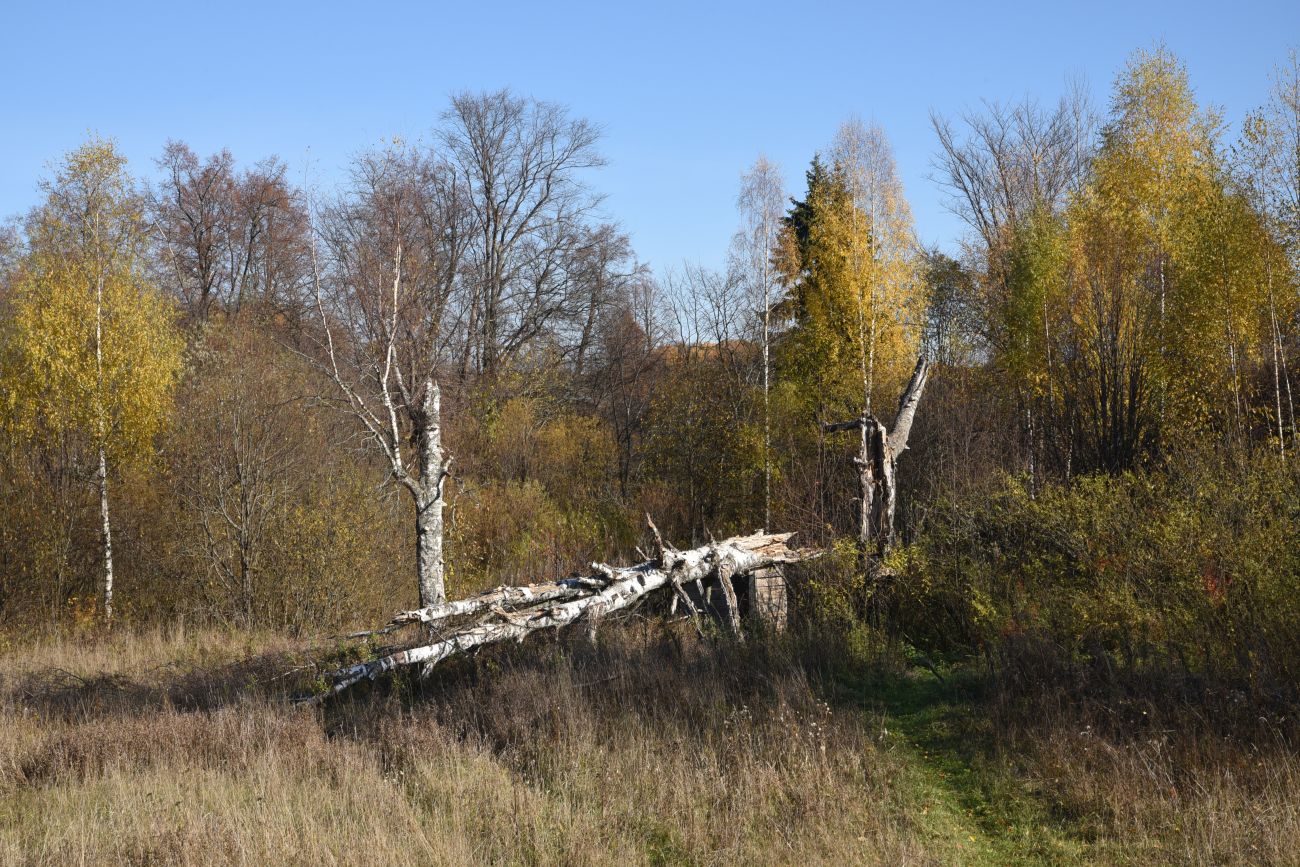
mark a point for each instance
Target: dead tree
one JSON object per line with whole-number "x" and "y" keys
{"x": 394, "y": 243}
{"x": 877, "y": 462}
{"x": 421, "y": 408}
{"x": 514, "y": 613}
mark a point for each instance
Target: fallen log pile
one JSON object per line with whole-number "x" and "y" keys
{"x": 459, "y": 626}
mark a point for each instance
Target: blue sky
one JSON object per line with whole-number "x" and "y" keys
{"x": 688, "y": 93}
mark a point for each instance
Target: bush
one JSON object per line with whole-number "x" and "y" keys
{"x": 1191, "y": 567}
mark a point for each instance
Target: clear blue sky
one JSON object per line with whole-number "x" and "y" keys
{"x": 688, "y": 93}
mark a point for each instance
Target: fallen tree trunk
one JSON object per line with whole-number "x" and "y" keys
{"x": 505, "y": 597}
{"x": 607, "y": 589}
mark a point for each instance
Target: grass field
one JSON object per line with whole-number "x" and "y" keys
{"x": 656, "y": 748}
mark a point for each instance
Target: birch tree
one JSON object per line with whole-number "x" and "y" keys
{"x": 1270, "y": 175}
{"x": 1010, "y": 170}
{"x": 1160, "y": 283}
{"x": 1155, "y": 165}
{"x": 882, "y": 263}
{"x": 395, "y": 243}
{"x": 856, "y": 294}
{"x": 90, "y": 349}
{"x": 762, "y": 205}
{"x": 857, "y": 308}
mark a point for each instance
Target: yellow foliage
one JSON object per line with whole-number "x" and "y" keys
{"x": 90, "y": 347}
{"x": 858, "y": 299}
{"x": 1168, "y": 267}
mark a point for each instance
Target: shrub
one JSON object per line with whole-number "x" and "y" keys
{"x": 1191, "y": 567}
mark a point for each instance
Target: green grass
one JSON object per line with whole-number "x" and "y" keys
{"x": 966, "y": 800}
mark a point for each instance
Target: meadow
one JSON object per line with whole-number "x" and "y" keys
{"x": 654, "y": 747}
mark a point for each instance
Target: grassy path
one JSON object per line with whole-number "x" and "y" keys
{"x": 971, "y": 806}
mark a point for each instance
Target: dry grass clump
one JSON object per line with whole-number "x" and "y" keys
{"x": 1158, "y": 779}
{"x": 175, "y": 748}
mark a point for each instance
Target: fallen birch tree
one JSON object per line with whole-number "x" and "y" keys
{"x": 517, "y": 612}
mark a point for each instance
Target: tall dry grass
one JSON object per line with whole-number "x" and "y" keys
{"x": 176, "y": 748}
{"x": 1159, "y": 771}
{"x": 170, "y": 747}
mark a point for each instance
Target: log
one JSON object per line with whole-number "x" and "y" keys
{"x": 504, "y": 597}
{"x": 607, "y": 589}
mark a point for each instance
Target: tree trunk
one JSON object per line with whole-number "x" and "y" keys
{"x": 885, "y": 463}
{"x": 428, "y": 492}
{"x": 428, "y": 551}
{"x": 102, "y": 433}
{"x": 866, "y": 483}
{"x": 877, "y": 463}
{"x": 107, "y": 534}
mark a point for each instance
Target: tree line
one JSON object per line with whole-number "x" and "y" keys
{"x": 228, "y": 399}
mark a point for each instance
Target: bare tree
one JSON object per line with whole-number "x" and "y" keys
{"x": 1015, "y": 158}
{"x": 625, "y": 368}
{"x": 877, "y": 464}
{"x": 521, "y": 163}
{"x": 395, "y": 243}
{"x": 192, "y": 214}
{"x": 228, "y": 238}
{"x": 270, "y": 260}
{"x": 605, "y": 268}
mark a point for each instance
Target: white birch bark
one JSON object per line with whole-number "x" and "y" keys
{"x": 607, "y": 589}
{"x": 101, "y": 432}
{"x": 422, "y": 410}
{"x": 877, "y": 464}
{"x": 106, "y": 528}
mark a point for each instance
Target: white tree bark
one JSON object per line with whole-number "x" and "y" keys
{"x": 107, "y": 534}
{"x": 877, "y": 464}
{"x": 428, "y": 493}
{"x": 501, "y": 597}
{"x": 422, "y": 410}
{"x": 607, "y": 589}
{"x": 101, "y": 424}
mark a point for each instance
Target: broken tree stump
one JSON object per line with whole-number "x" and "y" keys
{"x": 876, "y": 464}
{"x": 768, "y": 599}
{"x": 759, "y": 595}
